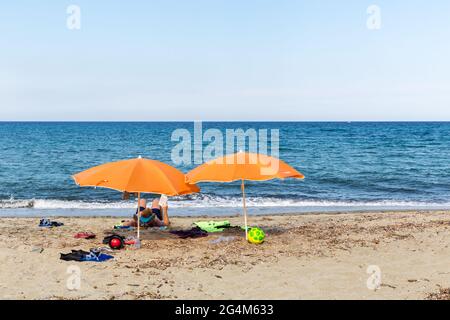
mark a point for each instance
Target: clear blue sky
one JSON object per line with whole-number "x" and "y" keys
{"x": 225, "y": 60}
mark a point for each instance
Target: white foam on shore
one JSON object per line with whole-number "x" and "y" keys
{"x": 217, "y": 202}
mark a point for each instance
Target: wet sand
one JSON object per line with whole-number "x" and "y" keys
{"x": 314, "y": 256}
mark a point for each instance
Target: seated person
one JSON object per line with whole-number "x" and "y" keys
{"x": 156, "y": 216}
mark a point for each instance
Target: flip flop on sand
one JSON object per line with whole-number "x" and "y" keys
{"x": 84, "y": 235}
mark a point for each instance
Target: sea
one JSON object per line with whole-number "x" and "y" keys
{"x": 348, "y": 166}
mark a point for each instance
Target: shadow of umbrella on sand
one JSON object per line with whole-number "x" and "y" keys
{"x": 242, "y": 166}
{"x": 137, "y": 176}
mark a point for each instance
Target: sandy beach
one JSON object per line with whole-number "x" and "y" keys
{"x": 310, "y": 256}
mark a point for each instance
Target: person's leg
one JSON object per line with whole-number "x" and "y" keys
{"x": 164, "y": 212}
{"x": 155, "y": 203}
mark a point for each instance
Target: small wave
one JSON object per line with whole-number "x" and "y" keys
{"x": 63, "y": 204}
{"x": 16, "y": 204}
{"x": 215, "y": 201}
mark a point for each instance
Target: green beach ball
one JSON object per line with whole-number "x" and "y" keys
{"x": 256, "y": 236}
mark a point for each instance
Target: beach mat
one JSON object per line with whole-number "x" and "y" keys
{"x": 145, "y": 234}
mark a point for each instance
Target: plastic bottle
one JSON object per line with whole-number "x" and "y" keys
{"x": 137, "y": 244}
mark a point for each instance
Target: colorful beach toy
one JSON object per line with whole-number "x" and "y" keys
{"x": 256, "y": 236}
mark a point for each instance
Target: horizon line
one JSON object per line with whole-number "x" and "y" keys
{"x": 267, "y": 121}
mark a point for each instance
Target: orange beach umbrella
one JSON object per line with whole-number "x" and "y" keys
{"x": 137, "y": 176}
{"x": 242, "y": 166}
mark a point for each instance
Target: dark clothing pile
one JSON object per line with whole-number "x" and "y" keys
{"x": 195, "y": 232}
{"x": 49, "y": 223}
{"x": 80, "y": 255}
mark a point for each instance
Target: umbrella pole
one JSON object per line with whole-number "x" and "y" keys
{"x": 138, "y": 215}
{"x": 245, "y": 209}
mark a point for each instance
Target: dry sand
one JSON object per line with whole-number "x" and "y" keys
{"x": 317, "y": 256}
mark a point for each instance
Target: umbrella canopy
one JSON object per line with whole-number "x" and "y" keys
{"x": 137, "y": 176}
{"x": 242, "y": 166}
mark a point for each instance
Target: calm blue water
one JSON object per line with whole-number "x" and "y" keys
{"x": 348, "y": 166}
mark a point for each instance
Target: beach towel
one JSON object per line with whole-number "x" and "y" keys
{"x": 151, "y": 233}
{"x": 213, "y": 226}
